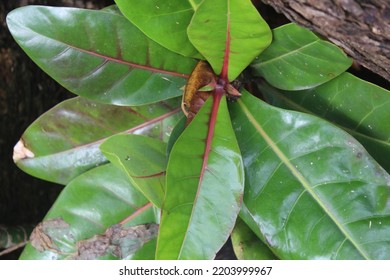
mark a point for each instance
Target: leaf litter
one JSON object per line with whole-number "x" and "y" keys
{"x": 118, "y": 241}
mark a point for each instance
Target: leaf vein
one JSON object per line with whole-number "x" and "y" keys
{"x": 299, "y": 176}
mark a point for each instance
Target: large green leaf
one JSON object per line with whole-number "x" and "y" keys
{"x": 164, "y": 21}
{"x": 229, "y": 34}
{"x": 204, "y": 187}
{"x": 143, "y": 159}
{"x": 64, "y": 141}
{"x": 99, "y": 55}
{"x": 247, "y": 246}
{"x": 297, "y": 59}
{"x": 312, "y": 190}
{"x": 88, "y": 206}
{"x": 359, "y": 107}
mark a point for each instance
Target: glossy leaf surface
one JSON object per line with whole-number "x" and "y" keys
{"x": 88, "y": 206}
{"x": 164, "y": 21}
{"x": 247, "y": 246}
{"x": 297, "y": 59}
{"x": 176, "y": 132}
{"x": 99, "y": 55}
{"x": 359, "y": 107}
{"x": 312, "y": 190}
{"x": 65, "y": 140}
{"x": 143, "y": 159}
{"x": 229, "y": 34}
{"x": 204, "y": 187}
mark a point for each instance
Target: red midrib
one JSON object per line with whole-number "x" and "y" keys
{"x": 210, "y": 133}
{"x": 136, "y": 213}
{"x": 218, "y": 93}
{"x": 135, "y": 65}
{"x": 225, "y": 65}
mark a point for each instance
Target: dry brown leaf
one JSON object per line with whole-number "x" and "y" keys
{"x": 117, "y": 240}
{"x": 21, "y": 152}
{"x": 45, "y": 233}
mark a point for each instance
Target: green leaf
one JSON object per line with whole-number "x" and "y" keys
{"x": 312, "y": 189}
{"x": 360, "y": 108}
{"x": 297, "y": 59}
{"x": 64, "y": 141}
{"x": 143, "y": 159}
{"x": 112, "y": 9}
{"x": 164, "y": 21}
{"x": 99, "y": 55}
{"x": 92, "y": 203}
{"x": 176, "y": 132}
{"x": 229, "y": 34}
{"x": 247, "y": 246}
{"x": 204, "y": 187}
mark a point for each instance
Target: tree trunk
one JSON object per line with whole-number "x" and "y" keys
{"x": 361, "y": 28}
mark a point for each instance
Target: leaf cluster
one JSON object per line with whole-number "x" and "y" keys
{"x": 296, "y": 167}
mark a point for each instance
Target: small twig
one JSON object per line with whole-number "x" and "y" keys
{"x": 13, "y": 248}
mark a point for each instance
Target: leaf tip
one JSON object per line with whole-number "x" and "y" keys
{"x": 21, "y": 152}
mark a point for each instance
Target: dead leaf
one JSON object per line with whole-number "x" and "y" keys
{"x": 92, "y": 248}
{"x": 117, "y": 241}
{"x": 200, "y": 86}
{"x": 202, "y": 76}
{"x": 45, "y": 234}
{"x": 21, "y": 152}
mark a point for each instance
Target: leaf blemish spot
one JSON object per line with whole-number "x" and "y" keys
{"x": 21, "y": 152}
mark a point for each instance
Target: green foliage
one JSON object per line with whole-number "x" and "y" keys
{"x": 88, "y": 205}
{"x": 190, "y": 212}
{"x": 171, "y": 18}
{"x": 236, "y": 30}
{"x": 99, "y": 55}
{"x": 310, "y": 194}
{"x": 297, "y": 59}
{"x": 143, "y": 159}
{"x": 78, "y": 126}
{"x": 150, "y": 184}
{"x": 247, "y": 246}
{"x": 349, "y": 102}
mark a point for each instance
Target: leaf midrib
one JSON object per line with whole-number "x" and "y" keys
{"x": 97, "y": 142}
{"x": 106, "y": 57}
{"x": 262, "y": 63}
{"x": 351, "y": 131}
{"x": 218, "y": 93}
{"x": 300, "y": 178}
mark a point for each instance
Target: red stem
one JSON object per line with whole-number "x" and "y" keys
{"x": 224, "y": 73}
{"x": 136, "y": 213}
{"x": 219, "y": 91}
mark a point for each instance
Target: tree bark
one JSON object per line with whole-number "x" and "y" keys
{"x": 360, "y": 27}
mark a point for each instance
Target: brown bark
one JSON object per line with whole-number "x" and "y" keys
{"x": 361, "y": 28}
